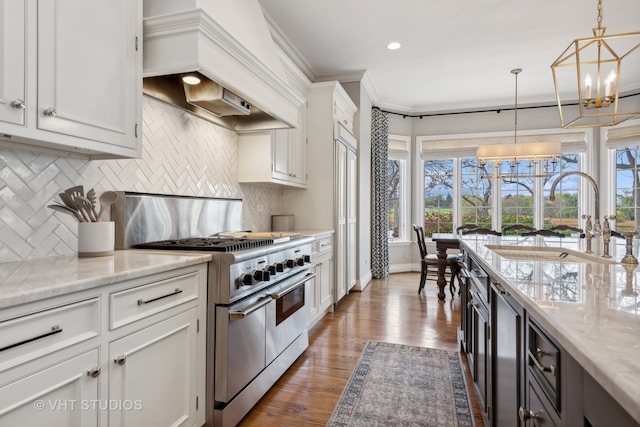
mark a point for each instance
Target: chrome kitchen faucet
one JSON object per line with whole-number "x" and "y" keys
{"x": 596, "y": 220}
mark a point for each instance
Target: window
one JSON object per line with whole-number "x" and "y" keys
{"x": 476, "y": 193}
{"x": 623, "y": 154}
{"x": 397, "y": 180}
{"x": 438, "y": 196}
{"x": 564, "y": 209}
{"x": 627, "y": 186}
{"x": 459, "y": 191}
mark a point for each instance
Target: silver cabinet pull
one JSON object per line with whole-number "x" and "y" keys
{"x": 54, "y": 330}
{"x": 526, "y": 414}
{"x": 18, "y": 103}
{"x": 237, "y": 315}
{"x": 120, "y": 360}
{"x": 283, "y": 292}
{"x": 94, "y": 373}
{"x": 541, "y": 368}
{"x": 50, "y": 112}
{"x": 176, "y": 292}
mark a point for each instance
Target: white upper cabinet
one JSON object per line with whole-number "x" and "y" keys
{"x": 275, "y": 157}
{"x": 71, "y": 76}
{"x": 12, "y": 61}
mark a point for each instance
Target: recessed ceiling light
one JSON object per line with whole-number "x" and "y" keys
{"x": 393, "y": 46}
{"x": 191, "y": 80}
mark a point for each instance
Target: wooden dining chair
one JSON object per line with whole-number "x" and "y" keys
{"x": 466, "y": 227}
{"x": 431, "y": 260}
{"x": 482, "y": 230}
{"x": 543, "y": 232}
{"x": 561, "y": 228}
{"x": 517, "y": 229}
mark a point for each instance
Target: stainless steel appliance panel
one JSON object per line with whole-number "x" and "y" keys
{"x": 289, "y": 316}
{"x": 142, "y": 218}
{"x": 240, "y": 345}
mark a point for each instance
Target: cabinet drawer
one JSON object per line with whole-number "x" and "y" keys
{"x": 142, "y": 301}
{"x": 543, "y": 360}
{"x": 28, "y": 337}
{"x": 324, "y": 244}
{"x": 537, "y": 411}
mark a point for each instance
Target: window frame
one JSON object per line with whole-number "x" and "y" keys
{"x": 399, "y": 150}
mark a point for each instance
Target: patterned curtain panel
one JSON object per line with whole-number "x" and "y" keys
{"x": 379, "y": 197}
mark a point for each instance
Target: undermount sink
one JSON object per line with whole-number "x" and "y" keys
{"x": 546, "y": 253}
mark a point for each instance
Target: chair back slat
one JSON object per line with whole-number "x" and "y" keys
{"x": 543, "y": 232}
{"x": 420, "y": 240}
{"x": 482, "y": 230}
{"x": 517, "y": 228}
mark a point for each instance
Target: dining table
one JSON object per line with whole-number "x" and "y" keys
{"x": 443, "y": 241}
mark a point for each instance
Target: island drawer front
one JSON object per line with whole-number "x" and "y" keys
{"x": 543, "y": 360}
{"x": 544, "y": 417}
{"x": 479, "y": 278}
{"x": 28, "y": 337}
{"x": 139, "y": 302}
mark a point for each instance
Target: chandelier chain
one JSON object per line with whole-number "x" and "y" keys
{"x": 599, "y": 14}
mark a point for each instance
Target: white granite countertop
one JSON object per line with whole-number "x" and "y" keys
{"x": 591, "y": 307}
{"x": 26, "y": 281}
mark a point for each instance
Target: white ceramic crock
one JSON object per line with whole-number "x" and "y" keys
{"x": 96, "y": 238}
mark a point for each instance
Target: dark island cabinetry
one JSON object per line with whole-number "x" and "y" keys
{"x": 522, "y": 376}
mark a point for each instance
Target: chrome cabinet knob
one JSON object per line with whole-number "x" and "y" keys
{"x": 94, "y": 373}
{"x": 50, "y": 112}
{"x": 121, "y": 360}
{"x": 18, "y": 103}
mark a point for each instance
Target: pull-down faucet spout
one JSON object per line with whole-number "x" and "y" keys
{"x": 552, "y": 195}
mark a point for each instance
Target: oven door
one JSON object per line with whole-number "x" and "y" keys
{"x": 240, "y": 345}
{"x": 290, "y": 315}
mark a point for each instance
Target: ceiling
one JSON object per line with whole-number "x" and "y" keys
{"x": 455, "y": 55}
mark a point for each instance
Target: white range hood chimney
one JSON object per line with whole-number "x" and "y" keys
{"x": 227, "y": 41}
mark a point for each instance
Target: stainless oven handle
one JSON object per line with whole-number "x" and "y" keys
{"x": 293, "y": 287}
{"x": 237, "y": 315}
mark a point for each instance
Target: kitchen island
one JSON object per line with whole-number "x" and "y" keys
{"x": 587, "y": 305}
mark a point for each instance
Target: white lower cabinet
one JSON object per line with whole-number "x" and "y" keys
{"x": 153, "y": 371}
{"x": 127, "y": 354}
{"x": 322, "y": 285}
{"x": 63, "y": 395}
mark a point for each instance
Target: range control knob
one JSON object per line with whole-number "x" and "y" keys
{"x": 289, "y": 263}
{"x": 279, "y": 267}
{"x": 261, "y": 275}
{"x": 300, "y": 262}
{"x": 273, "y": 269}
{"x": 246, "y": 279}
{"x": 307, "y": 258}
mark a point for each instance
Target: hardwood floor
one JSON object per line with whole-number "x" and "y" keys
{"x": 388, "y": 310}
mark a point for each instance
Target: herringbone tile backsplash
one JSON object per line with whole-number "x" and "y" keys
{"x": 182, "y": 155}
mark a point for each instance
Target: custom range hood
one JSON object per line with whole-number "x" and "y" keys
{"x": 227, "y": 45}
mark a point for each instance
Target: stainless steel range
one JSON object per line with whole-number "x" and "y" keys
{"x": 258, "y": 290}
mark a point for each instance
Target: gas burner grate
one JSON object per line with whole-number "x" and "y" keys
{"x": 213, "y": 244}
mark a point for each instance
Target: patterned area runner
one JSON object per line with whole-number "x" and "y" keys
{"x": 402, "y": 385}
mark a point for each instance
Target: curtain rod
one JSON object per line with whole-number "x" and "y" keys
{"x": 490, "y": 110}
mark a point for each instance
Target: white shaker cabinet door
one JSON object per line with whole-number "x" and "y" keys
{"x": 63, "y": 395}
{"x": 154, "y": 370}
{"x": 87, "y": 86}
{"x": 12, "y": 61}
